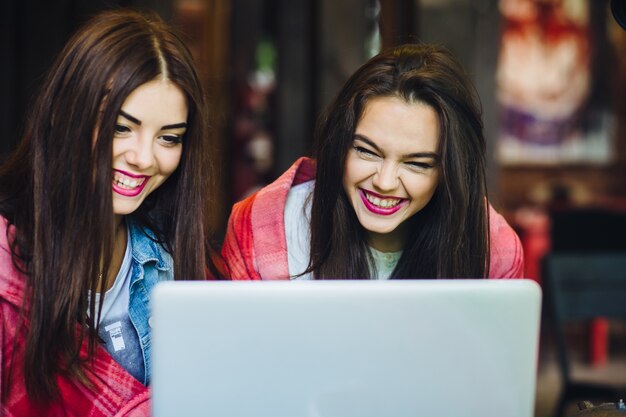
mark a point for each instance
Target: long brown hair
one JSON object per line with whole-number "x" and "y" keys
{"x": 449, "y": 237}
{"x": 56, "y": 187}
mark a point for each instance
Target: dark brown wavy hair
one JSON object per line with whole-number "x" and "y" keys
{"x": 449, "y": 238}
{"x": 56, "y": 187}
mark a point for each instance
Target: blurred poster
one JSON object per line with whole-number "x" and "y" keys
{"x": 551, "y": 109}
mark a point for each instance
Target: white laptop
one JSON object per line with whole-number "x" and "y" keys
{"x": 438, "y": 348}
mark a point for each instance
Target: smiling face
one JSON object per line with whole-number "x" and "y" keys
{"x": 392, "y": 169}
{"x": 148, "y": 142}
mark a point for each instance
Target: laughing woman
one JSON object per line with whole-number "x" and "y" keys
{"x": 397, "y": 188}
{"x": 103, "y": 198}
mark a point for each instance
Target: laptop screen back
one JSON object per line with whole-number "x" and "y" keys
{"x": 345, "y": 348}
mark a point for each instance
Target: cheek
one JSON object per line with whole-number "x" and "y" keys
{"x": 170, "y": 160}
{"x": 116, "y": 149}
{"x": 351, "y": 176}
{"x": 424, "y": 189}
{"x": 356, "y": 170}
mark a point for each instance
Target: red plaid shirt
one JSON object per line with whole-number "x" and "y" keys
{"x": 113, "y": 391}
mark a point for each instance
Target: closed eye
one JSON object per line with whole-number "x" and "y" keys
{"x": 419, "y": 166}
{"x": 364, "y": 152}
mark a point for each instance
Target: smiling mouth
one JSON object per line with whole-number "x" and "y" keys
{"x": 380, "y": 205}
{"x": 382, "y": 202}
{"x": 128, "y": 185}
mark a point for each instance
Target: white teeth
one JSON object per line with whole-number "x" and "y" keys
{"x": 130, "y": 183}
{"x": 126, "y": 182}
{"x": 384, "y": 202}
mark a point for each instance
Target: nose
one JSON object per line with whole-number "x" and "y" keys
{"x": 140, "y": 153}
{"x": 386, "y": 176}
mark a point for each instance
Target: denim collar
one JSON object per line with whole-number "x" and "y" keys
{"x": 146, "y": 249}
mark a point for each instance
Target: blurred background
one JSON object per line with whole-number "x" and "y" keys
{"x": 551, "y": 75}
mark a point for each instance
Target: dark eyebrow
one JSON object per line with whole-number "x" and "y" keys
{"x": 174, "y": 126}
{"x": 432, "y": 155}
{"x": 131, "y": 118}
{"x": 138, "y": 122}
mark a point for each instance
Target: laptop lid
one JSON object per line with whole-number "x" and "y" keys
{"x": 345, "y": 348}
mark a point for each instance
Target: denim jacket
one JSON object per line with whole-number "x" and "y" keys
{"x": 150, "y": 264}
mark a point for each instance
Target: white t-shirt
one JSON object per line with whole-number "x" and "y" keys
{"x": 116, "y": 331}
{"x": 298, "y": 236}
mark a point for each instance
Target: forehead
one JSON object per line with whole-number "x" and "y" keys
{"x": 159, "y": 101}
{"x": 394, "y": 123}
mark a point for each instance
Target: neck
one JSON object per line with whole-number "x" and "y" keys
{"x": 388, "y": 242}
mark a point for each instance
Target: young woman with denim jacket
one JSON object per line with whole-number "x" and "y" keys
{"x": 105, "y": 196}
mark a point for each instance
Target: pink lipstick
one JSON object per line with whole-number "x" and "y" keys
{"x": 383, "y": 211}
{"x": 127, "y": 184}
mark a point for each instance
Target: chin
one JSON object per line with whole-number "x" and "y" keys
{"x": 122, "y": 210}
{"x": 380, "y": 230}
